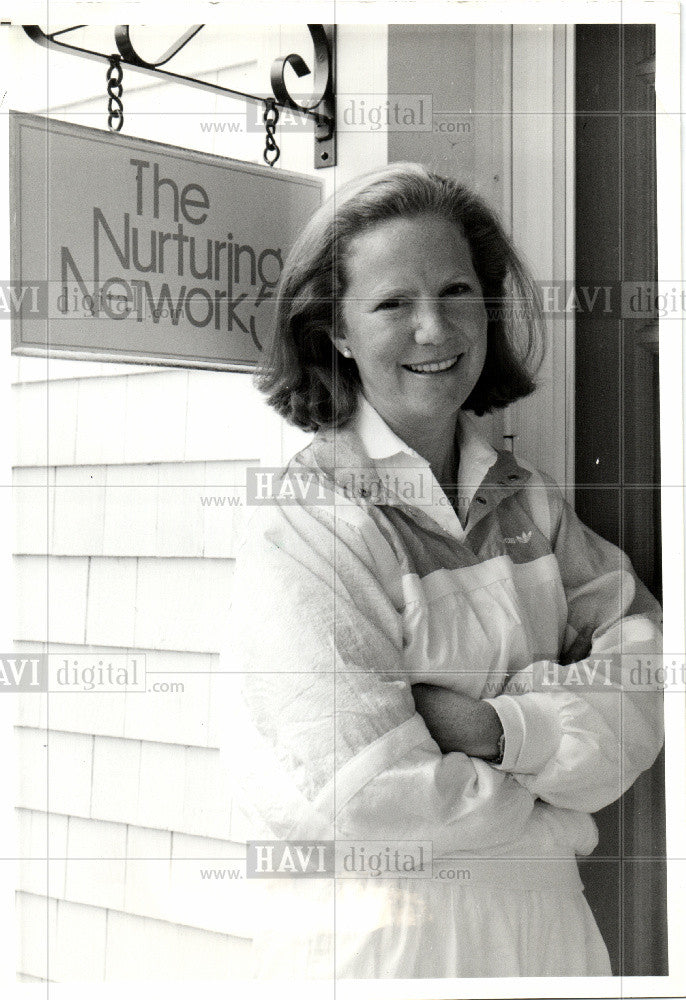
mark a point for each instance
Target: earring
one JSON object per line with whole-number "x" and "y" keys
{"x": 347, "y": 353}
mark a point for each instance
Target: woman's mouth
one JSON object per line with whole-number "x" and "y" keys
{"x": 434, "y": 366}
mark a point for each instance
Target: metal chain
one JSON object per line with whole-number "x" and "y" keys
{"x": 270, "y": 119}
{"x": 115, "y": 108}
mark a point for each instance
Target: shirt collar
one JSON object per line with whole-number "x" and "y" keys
{"x": 379, "y": 441}
{"x": 382, "y": 445}
{"x": 372, "y": 465}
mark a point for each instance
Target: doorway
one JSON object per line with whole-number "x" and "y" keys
{"x": 617, "y": 491}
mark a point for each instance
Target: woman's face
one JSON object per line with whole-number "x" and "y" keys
{"x": 414, "y": 319}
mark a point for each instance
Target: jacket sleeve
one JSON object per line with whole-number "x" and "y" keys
{"x": 321, "y": 733}
{"x": 579, "y": 732}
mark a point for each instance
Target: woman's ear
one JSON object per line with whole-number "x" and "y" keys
{"x": 340, "y": 343}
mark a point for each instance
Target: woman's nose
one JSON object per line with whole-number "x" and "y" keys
{"x": 430, "y": 324}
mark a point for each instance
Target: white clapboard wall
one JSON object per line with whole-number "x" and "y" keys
{"x": 116, "y": 553}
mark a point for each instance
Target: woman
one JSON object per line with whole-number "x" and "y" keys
{"x": 411, "y": 609}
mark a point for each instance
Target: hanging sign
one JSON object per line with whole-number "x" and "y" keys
{"x": 129, "y": 250}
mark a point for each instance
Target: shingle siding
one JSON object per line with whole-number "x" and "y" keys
{"x": 116, "y": 553}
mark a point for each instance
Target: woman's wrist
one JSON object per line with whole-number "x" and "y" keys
{"x": 459, "y": 722}
{"x": 489, "y": 734}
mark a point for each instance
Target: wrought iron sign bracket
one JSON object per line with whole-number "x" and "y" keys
{"x": 319, "y": 107}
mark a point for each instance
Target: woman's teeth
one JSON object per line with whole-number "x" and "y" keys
{"x": 436, "y": 366}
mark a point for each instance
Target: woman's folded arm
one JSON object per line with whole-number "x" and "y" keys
{"x": 579, "y": 731}
{"x": 321, "y": 728}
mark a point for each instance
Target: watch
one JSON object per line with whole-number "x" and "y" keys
{"x": 498, "y": 759}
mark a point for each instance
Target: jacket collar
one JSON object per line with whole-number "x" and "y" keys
{"x": 367, "y": 462}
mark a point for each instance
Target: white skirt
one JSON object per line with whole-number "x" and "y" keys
{"x": 423, "y": 929}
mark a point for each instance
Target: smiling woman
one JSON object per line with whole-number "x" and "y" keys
{"x": 414, "y": 322}
{"x": 405, "y": 668}
{"x": 316, "y": 288}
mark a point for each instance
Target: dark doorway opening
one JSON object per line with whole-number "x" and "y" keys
{"x": 617, "y": 430}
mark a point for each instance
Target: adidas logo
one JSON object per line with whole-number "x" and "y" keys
{"x": 519, "y": 539}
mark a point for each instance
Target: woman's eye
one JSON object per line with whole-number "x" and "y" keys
{"x": 390, "y": 304}
{"x": 458, "y": 288}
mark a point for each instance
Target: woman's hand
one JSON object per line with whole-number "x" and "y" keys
{"x": 458, "y": 722}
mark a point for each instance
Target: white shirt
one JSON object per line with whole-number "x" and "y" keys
{"x": 390, "y": 452}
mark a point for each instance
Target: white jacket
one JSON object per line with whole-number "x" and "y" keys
{"x": 370, "y": 584}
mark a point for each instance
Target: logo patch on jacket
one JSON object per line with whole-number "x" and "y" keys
{"x": 519, "y": 539}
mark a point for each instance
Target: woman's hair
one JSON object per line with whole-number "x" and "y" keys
{"x": 309, "y": 382}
